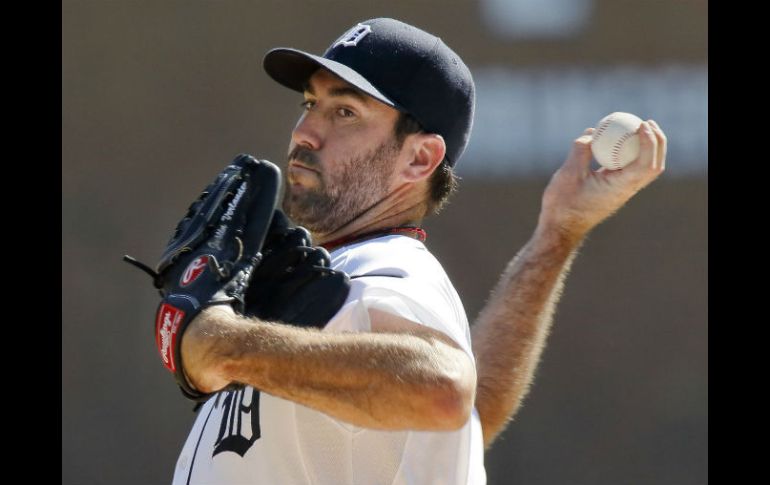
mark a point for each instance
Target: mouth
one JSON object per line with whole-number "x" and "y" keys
{"x": 299, "y": 175}
{"x": 297, "y": 166}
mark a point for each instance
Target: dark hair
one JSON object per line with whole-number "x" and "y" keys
{"x": 443, "y": 182}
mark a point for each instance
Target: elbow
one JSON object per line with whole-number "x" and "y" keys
{"x": 452, "y": 401}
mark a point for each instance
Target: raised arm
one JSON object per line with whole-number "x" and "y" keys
{"x": 401, "y": 375}
{"x": 511, "y": 330}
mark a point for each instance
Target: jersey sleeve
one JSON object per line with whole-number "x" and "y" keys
{"x": 425, "y": 303}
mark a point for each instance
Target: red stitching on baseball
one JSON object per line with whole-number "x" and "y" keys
{"x": 603, "y": 127}
{"x": 616, "y": 149}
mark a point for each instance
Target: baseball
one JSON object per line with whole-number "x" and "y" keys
{"x": 615, "y": 143}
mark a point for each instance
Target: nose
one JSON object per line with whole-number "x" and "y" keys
{"x": 307, "y": 132}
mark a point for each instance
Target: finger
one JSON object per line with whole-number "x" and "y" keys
{"x": 648, "y": 146}
{"x": 662, "y": 144}
{"x": 579, "y": 158}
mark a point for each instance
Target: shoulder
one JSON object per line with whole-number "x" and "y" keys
{"x": 398, "y": 275}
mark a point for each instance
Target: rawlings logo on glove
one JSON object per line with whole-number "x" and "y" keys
{"x": 194, "y": 270}
{"x": 166, "y": 328}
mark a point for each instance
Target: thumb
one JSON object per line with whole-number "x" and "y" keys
{"x": 258, "y": 210}
{"x": 579, "y": 158}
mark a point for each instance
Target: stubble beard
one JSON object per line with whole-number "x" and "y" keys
{"x": 360, "y": 183}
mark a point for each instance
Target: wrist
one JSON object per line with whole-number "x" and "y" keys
{"x": 204, "y": 348}
{"x": 216, "y": 314}
{"x": 561, "y": 232}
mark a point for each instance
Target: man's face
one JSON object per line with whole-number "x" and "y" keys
{"x": 341, "y": 157}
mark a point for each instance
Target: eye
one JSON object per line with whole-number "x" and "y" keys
{"x": 345, "y": 113}
{"x": 307, "y": 104}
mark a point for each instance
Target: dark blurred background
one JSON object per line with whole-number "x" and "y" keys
{"x": 157, "y": 96}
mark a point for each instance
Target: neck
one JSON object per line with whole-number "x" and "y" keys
{"x": 401, "y": 207}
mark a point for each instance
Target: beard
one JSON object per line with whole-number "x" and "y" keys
{"x": 359, "y": 183}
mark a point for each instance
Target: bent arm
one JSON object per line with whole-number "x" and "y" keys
{"x": 401, "y": 375}
{"x": 510, "y": 332}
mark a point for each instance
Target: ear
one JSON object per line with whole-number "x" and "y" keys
{"x": 428, "y": 152}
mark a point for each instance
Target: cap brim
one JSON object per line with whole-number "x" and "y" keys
{"x": 293, "y": 68}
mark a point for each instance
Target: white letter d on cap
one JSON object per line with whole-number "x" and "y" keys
{"x": 353, "y": 36}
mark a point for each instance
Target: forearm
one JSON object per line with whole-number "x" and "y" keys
{"x": 510, "y": 332}
{"x": 372, "y": 380}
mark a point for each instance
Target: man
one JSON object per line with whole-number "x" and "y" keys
{"x": 388, "y": 391}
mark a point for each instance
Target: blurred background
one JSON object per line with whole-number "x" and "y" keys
{"x": 158, "y": 96}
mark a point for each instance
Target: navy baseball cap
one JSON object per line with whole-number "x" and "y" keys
{"x": 398, "y": 64}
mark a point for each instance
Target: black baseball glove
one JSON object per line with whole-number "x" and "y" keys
{"x": 293, "y": 283}
{"x": 211, "y": 256}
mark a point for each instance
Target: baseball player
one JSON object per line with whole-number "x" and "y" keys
{"x": 389, "y": 390}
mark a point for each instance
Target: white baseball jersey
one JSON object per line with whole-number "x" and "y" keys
{"x": 247, "y": 437}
